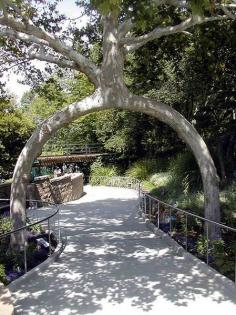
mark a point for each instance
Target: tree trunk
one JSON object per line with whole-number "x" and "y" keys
{"x": 33, "y": 148}
{"x": 221, "y": 161}
{"x": 191, "y": 137}
{"x": 112, "y": 93}
{"x": 99, "y": 101}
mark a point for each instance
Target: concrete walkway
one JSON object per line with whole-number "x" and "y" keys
{"x": 113, "y": 264}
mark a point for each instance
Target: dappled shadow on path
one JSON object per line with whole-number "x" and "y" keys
{"x": 113, "y": 264}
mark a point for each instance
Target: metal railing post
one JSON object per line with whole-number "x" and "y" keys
{"x": 25, "y": 253}
{"x": 158, "y": 217}
{"x": 142, "y": 203}
{"x": 207, "y": 244}
{"x": 170, "y": 222}
{"x": 49, "y": 238}
{"x": 59, "y": 228}
{"x": 186, "y": 232}
{"x": 150, "y": 209}
{"x": 235, "y": 269}
{"x": 145, "y": 204}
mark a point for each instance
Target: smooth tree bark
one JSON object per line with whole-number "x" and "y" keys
{"x": 110, "y": 92}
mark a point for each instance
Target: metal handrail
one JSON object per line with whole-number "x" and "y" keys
{"x": 191, "y": 214}
{"x": 27, "y": 226}
{"x": 143, "y": 207}
{"x": 31, "y": 224}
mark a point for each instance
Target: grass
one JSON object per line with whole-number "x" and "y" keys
{"x": 179, "y": 183}
{"x": 160, "y": 185}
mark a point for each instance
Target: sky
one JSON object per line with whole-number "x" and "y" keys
{"x": 67, "y": 7}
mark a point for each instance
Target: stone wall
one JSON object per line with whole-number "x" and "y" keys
{"x": 62, "y": 188}
{"x": 57, "y": 190}
{"x": 77, "y": 182}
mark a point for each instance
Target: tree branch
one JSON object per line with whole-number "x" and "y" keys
{"x": 133, "y": 43}
{"x": 227, "y": 11}
{"x": 7, "y": 32}
{"x": 63, "y": 63}
{"x": 175, "y": 3}
{"x": 83, "y": 64}
{"x": 17, "y": 63}
{"x": 124, "y": 28}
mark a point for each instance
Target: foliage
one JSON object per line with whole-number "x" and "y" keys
{"x": 161, "y": 179}
{"x": 142, "y": 169}
{"x": 5, "y": 225}
{"x": 199, "y": 6}
{"x": 15, "y": 129}
{"x": 185, "y": 172}
{"x": 2, "y": 274}
{"x": 98, "y": 169}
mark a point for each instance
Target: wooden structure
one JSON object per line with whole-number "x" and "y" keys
{"x": 54, "y": 160}
{"x": 54, "y": 154}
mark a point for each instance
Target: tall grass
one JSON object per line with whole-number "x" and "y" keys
{"x": 144, "y": 168}
{"x": 98, "y": 169}
{"x": 186, "y": 176}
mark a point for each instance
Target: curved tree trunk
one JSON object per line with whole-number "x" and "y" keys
{"x": 112, "y": 93}
{"x": 32, "y": 149}
{"x": 191, "y": 137}
{"x": 98, "y": 101}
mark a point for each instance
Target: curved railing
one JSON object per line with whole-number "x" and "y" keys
{"x": 41, "y": 234}
{"x": 116, "y": 181}
{"x": 191, "y": 231}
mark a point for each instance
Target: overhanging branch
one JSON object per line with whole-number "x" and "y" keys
{"x": 53, "y": 59}
{"x": 10, "y": 33}
{"x": 83, "y": 64}
{"x": 133, "y": 43}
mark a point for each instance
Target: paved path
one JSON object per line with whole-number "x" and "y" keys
{"x": 113, "y": 264}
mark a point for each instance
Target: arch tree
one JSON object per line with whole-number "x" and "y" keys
{"x": 31, "y": 30}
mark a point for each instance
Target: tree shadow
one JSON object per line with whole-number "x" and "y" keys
{"x": 113, "y": 263}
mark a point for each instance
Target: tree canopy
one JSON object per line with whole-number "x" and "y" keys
{"x": 35, "y": 30}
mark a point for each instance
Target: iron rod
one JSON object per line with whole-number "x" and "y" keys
{"x": 150, "y": 209}
{"x": 186, "y": 232}
{"x": 207, "y": 245}
{"x": 59, "y": 228}
{"x": 49, "y": 237}
{"x": 145, "y": 204}
{"x": 25, "y": 253}
{"x": 235, "y": 270}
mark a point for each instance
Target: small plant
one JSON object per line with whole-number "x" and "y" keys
{"x": 185, "y": 172}
{"x": 142, "y": 169}
{"x": 37, "y": 228}
{"x": 5, "y": 225}
{"x": 3, "y": 278}
{"x": 98, "y": 170}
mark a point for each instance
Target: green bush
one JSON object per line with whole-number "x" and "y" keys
{"x": 3, "y": 274}
{"x": 185, "y": 173}
{"x": 98, "y": 170}
{"x": 5, "y": 225}
{"x": 142, "y": 169}
{"x": 162, "y": 179}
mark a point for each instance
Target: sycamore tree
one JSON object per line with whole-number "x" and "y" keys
{"x": 32, "y": 30}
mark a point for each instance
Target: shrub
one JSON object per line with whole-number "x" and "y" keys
{"x": 3, "y": 274}
{"x": 5, "y": 225}
{"x": 142, "y": 169}
{"x": 162, "y": 179}
{"x": 99, "y": 170}
{"x": 185, "y": 172}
